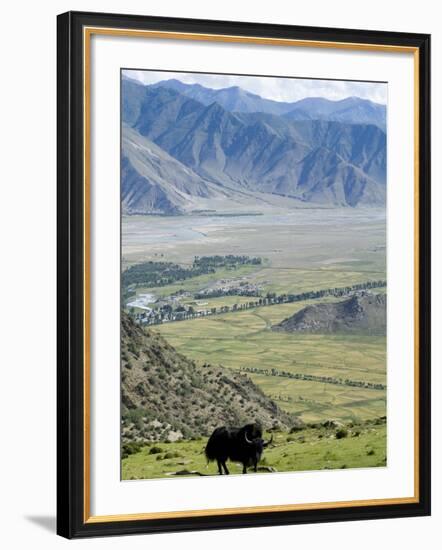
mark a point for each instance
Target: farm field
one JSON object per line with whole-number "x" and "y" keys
{"x": 314, "y": 448}
{"x": 244, "y": 340}
{"x": 301, "y": 251}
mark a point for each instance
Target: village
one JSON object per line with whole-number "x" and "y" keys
{"x": 171, "y": 308}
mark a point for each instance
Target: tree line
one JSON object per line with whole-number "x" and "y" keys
{"x": 167, "y": 313}
{"x": 315, "y": 378}
{"x": 156, "y": 274}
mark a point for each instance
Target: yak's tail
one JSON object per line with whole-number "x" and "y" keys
{"x": 212, "y": 448}
{"x": 209, "y": 451}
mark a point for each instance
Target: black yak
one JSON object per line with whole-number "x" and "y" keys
{"x": 244, "y": 445}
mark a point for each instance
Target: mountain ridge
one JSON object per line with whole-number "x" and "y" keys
{"x": 154, "y": 182}
{"x": 352, "y": 109}
{"x": 314, "y": 161}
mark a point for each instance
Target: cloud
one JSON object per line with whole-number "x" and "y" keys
{"x": 279, "y": 89}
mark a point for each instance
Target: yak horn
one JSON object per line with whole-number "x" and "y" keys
{"x": 266, "y": 443}
{"x": 247, "y": 439}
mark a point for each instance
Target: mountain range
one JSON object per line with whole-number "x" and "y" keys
{"x": 353, "y": 110}
{"x": 187, "y": 147}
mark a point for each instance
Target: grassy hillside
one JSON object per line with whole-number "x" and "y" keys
{"x": 166, "y": 396}
{"x": 315, "y": 447}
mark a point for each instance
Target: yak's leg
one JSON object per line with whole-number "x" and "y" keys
{"x": 255, "y": 466}
{"x": 244, "y": 469}
{"x": 225, "y": 468}
{"x": 219, "y": 467}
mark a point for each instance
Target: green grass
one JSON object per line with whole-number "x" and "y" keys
{"x": 309, "y": 449}
{"x": 314, "y": 401}
{"x": 296, "y": 280}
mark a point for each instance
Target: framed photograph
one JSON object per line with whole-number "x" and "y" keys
{"x": 243, "y": 274}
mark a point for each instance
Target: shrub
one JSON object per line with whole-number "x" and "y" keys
{"x": 133, "y": 349}
{"x": 341, "y": 433}
{"x": 130, "y": 449}
{"x": 155, "y": 450}
{"x": 137, "y": 416}
{"x": 314, "y": 425}
{"x": 328, "y": 424}
{"x": 172, "y": 454}
{"x": 187, "y": 433}
{"x": 295, "y": 429}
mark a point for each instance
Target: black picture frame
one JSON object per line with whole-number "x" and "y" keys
{"x": 72, "y": 520}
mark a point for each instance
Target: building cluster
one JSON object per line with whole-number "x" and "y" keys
{"x": 171, "y": 309}
{"x": 243, "y": 289}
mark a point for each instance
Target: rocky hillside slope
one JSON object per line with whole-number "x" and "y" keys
{"x": 361, "y": 312}
{"x": 166, "y": 396}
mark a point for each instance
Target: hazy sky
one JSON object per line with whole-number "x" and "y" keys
{"x": 279, "y": 89}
